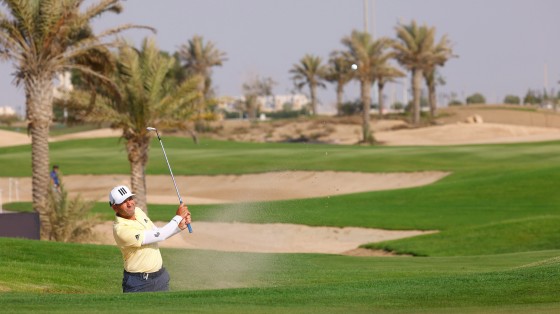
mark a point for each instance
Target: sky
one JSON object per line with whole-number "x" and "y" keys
{"x": 503, "y": 46}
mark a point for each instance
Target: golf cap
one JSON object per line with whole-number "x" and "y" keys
{"x": 119, "y": 194}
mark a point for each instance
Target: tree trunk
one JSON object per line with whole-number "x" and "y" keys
{"x": 416, "y": 94}
{"x": 367, "y": 137}
{"x": 39, "y": 94}
{"x": 313, "y": 89}
{"x": 251, "y": 107}
{"x": 138, "y": 149}
{"x": 339, "y": 93}
{"x": 380, "y": 99}
{"x": 433, "y": 100}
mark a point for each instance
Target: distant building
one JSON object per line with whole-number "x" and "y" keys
{"x": 282, "y": 102}
{"x": 7, "y": 111}
{"x": 266, "y": 103}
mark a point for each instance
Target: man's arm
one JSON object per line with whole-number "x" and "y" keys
{"x": 165, "y": 232}
{"x": 178, "y": 223}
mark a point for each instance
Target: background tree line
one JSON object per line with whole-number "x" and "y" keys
{"x": 368, "y": 61}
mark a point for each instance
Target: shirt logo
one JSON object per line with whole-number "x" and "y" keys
{"x": 146, "y": 220}
{"x": 156, "y": 234}
{"x": 137, "y": 237}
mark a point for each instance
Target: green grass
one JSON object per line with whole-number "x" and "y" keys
{"x": 489, "y": 187}
{"x": 496, "y": 252}
{"x": 245, "y": 282}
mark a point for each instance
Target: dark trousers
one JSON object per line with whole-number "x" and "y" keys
{"x": 146, "y": 282}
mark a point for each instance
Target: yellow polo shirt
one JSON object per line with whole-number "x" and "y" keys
{"x": 129, "y": 235}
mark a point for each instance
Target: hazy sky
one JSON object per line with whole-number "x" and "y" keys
{"x": 503, "y": 46}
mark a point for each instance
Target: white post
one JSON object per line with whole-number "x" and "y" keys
{"x": 10, "y": 190}
{"x": 17, "y": 189}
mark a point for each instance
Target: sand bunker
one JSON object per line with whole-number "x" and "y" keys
{"x": 238, "y": 188}
{"x": 464, "y": 133}
{"x": 273, "y": 238}
{"x": 243, "y": 237}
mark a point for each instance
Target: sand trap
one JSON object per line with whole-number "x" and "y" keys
{"x": 238, "y": 188}
{"x": 273, "y": 238}
{"x": 463, "y": 133}
{"x": 243, "y": 237}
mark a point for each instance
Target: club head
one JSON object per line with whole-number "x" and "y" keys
{"x": 151, "y": 129}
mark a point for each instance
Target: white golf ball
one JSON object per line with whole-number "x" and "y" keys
{"x": 354, "y": 66}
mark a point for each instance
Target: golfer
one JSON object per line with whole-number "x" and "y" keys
{"x": 138, "y": 237}
{"x": 55, "y": 178}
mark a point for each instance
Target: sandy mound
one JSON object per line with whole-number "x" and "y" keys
{"x": 9, "y": 138}
{"x": 239, "y": 188}
{"x": 464, "y": 133}
{"x": 87, "y": 134}
{"x": 273, "y": 238}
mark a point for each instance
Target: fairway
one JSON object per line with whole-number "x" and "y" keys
{"x": 497, "y": 250}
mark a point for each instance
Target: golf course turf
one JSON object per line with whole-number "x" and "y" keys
{"x": 497, "y": 249}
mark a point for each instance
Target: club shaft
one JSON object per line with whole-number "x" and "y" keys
{"x": 172, "y": 176}
{"x": 171, "y": 172}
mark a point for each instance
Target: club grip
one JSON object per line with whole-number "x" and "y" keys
{"x": 189, "y": 227}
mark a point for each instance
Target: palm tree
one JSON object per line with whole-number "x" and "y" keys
{"x": 431, "y": 81}
{"x": 340, "y": 72}
{"x": 43, "y": 38}
{"x": 384, "y": 74}
{"x": 368, "y": 55}
{"x": 415, "y": 51}
{"x": 148, "y": 95}
{"x": 309, "y": 71}
{"x": 200, "y": 58}
{"x": 442, "y": 52}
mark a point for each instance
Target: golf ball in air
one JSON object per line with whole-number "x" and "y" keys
{"x": 354, "y": 66}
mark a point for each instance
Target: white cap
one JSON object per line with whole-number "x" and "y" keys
{"x": 119, "y": 194}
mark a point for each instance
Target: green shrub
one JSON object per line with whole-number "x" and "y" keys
{"x": 512, "y": 100}
{"x": 476, "y": 98}
{"x": 69, "y": 220}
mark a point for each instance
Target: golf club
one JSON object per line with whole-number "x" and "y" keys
{"x": 169, "y": 166}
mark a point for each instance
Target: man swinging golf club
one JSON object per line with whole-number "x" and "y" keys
{"x": 138, "y": 237}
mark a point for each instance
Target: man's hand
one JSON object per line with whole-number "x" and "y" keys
{"x": 183, "y": 224}
{"x": 184, "y": 212}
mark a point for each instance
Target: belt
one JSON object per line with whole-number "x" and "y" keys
{"x": 145, "y": 276}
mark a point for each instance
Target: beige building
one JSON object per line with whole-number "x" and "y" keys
{"x": 266, "y": 103}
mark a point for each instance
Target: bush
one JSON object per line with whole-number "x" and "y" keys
{"x": 69, "y": 220}
{"x": 350, "y": 108}
{"x": 455, "y": 102}
{"x": 532, "y": 98}
{"x": 512, "y": 100}
{"x": 287, "y": 114}
{"x": 476, "y": 98}
{"x": 8, "y": 119}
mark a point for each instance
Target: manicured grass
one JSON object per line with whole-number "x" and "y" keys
{"x": 496, "y": 252}
{"x": 489, "y": 187}
{"x": 205, "y": 281}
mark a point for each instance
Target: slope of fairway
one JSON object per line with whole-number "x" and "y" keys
{"x": 90, "y": 281}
